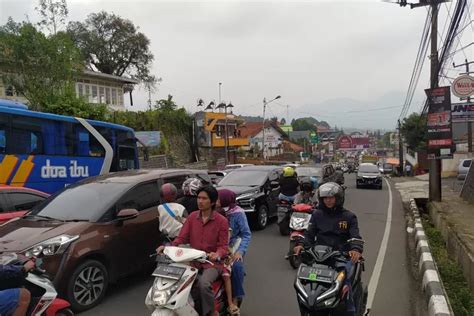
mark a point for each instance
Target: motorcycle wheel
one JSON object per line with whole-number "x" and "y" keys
{"x": 295, "y": 261}
{"x": 65, "y": 312}
{"x": 284, "y": 227}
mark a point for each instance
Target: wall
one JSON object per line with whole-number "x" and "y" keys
{"x": 273, "y": 142}
{"x": 450, "y": 166}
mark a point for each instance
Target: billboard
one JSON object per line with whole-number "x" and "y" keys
{"x": 462, "y": 112}
{"x": 439, "y": 129}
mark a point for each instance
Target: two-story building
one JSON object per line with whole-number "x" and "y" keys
{"x": 274, "y": 137}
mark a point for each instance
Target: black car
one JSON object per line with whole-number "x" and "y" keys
{"x": 369, "y": 175}
{"x": 256, "y": 193}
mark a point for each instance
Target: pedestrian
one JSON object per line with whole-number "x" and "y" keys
{"x": 408, "y": 169}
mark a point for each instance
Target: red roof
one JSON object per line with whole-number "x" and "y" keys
{"x": 250, "y": 129}
{"x": 292, "y": 146}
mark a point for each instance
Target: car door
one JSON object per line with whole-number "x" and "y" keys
{"x": 272, "y": 193}
{"x": 138, "y": 237}
{"x": 18, "y": 203}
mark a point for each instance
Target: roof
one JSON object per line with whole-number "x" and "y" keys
{"x": 110, "y": 77}
{"x": 25, "y": 112}
{"x": 12, "y": 188}
{"x": 294, "y": 147}
{"x": 251, "y": 129}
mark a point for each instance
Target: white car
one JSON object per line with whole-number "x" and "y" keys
{"x": 237, "y": 166}
{"x": 463, "y": 168}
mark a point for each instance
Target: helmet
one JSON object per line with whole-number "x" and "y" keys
{"x": 306, "y": 186}
{"x": 331, "y": 189}
{"x": 168, "y": 192}
{"x": 288, "y": 172}
{"x": 191, "y": 186}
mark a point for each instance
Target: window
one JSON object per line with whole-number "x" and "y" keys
{"x": 86, "y": 144}
{"x": 120, "y": 97}
{"x": 80, "y": 89}
{"x": 466, "y": 162}
{"x": 87, "y": 92}
{"x": 142, "y": 197}
{"x": 24, "y": 201}
{"x": 27, "y": 135}
{"x": 101, "y": 95}
{"x": 114, "y": 96}
{"x": 95, "y": 98}
{"x": 3, "y": 133}
{"x": 107, "y": 95}
{"x": 177, "y": 181}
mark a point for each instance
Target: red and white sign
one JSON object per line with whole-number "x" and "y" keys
{"x": 344, "y": 142}
{"x": 439, "y": 142}
{"x": 463, "y": 86}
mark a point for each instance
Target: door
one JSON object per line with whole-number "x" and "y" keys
{"x": 272, "y": 193}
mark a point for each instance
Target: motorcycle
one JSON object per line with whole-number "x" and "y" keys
{"x": 44, "y": 300}
{"x": 328, "y": 284}
{"x": 174, "y": 277}
{"x": 284, "y": 216}
{"x": 299, "y": 222}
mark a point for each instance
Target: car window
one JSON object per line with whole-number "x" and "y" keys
{"x": 141, "y": 197}
{"x": 2, "y": 203}
{"x": 466, "y": 163}
{"x": 24, "y": 201}
{"x": 273, "y": 176}
{"x": 177, "y": 181}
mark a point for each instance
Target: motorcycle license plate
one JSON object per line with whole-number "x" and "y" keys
{"x": 170, "y": 272}
{"x": 299, "y": 221}
{"x": 316, "y": 273}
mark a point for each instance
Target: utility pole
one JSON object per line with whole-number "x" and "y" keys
{"x": 469, "y": 124}
{"x": 263, "y": 128}
{"x": 225, "y": 127}
{"x": 400, "y": 148}
{"x": 288, "y": 114}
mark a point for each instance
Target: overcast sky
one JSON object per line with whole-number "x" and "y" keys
{"x": 332, "y": 59}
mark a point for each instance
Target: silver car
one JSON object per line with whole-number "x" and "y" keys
{"x": 463, "y": 168}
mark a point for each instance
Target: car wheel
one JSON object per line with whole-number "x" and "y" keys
{"x": 87, "y": 285}
{"x": 380, "y": 187}
{"x": 260, "y": 217}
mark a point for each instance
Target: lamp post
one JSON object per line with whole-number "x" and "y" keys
{"x": 265, "y": 102}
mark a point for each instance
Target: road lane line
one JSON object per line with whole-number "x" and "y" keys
{"x": 374, "y": 279}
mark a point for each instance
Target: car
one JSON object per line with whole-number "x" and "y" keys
{"x": 257, "y": 191}
{"x": 309, "y": 172}
{"x": 94, "y": 232}
{"x": 16, "y": 201}
{"x": 237, "y": 166}
{"x": 217, "y": 176}
{"x": 369, "y": 175}
{"x": 463, "y": 168}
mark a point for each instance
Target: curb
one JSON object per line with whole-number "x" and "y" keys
{"x": 432, "y": 286}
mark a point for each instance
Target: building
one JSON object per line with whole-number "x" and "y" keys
{"x": 274, "y": 137}
{"x": 95, "y": 87}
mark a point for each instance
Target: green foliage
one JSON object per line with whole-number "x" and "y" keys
{"x": 53, "y": 13}
{"x": 413, "y": 130}
{"x": 303, "y": 124}
{"x": 166, "y": 104}
{"x": 460, "y": 296}
{"x": 113, "y": 45}
{"x": 39, "y": 67}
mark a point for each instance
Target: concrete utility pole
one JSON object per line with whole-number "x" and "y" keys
{"x": 263, "y": 125}
{"x": 469, "y": 124}
{"x": 400, "y": 148}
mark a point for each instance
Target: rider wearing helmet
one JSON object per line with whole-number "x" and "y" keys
{"x": 307, "y": 194}
{"x": 189, "y": 199}
{"x": 331, "y": 224}
{"x": 288, "y": 184}
{"x": 170, "y": 213}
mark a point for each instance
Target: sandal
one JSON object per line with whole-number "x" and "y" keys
{"x": 233, "y": 310}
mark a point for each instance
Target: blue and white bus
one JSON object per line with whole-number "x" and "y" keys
{"x": 46, "y": 152}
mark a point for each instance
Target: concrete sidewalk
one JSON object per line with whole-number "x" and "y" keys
{"x": 454, "y": 217}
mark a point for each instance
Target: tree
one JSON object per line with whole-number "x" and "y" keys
{"x": 166, "y": 104}
{"x": 302, "y": 124}
{"x": 113, "y": 45}
{"x": 39, "y": 67}
{"x": 413, "y": 130}
{"x": 283, "y": 121}
{"x": 54, "y": 14}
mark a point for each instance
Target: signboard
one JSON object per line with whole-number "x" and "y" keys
{"x": 150, "y": 139}
{"x": 344, "y": 142}
{"x": 439, "y": 134}
{"x": 463, "y": 86}
{"x": 314, "y": 138}
{"x": 462, "y": 112}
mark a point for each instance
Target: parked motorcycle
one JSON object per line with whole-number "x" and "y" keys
{"x": 284, "y": 215}
{"x": 328, "y": 284}
{"x": 299, "y": 222}
{"x": 44, "y": 301}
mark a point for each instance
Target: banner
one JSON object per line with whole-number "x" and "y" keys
{"x": 462, "y": 112}
{"x": 439, "y": 133}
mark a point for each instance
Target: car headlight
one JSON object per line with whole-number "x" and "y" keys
{"x": 248, "y": 196}
{"x": 53, "y": 246}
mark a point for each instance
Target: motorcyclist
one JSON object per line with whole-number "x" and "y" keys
{"x": 171, "y": 214}
{"x": 331, "y": 224}
{"x": 339, "y": 176}
{"x": 189, "y": 199}
{"x": 288, "y": 184}
{"x": 14, "y": 301}
{"x": 307, "y": 194}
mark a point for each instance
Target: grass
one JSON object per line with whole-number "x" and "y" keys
{"x": 459, "y": 293}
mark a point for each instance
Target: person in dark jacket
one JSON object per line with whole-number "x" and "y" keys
{"x": 14, "y": 301}
{"x": 288, "y": 184}
{"x": 331, "y": 224}
{"x": 189, "y": 199}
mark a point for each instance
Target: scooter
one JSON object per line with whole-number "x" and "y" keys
{"x": 328, "y": 284}
{"x": 44, "y": 300}
{"x": 170, "y": 293}
{"x": 284, "y": 216}
{"x": 299, "y": 222}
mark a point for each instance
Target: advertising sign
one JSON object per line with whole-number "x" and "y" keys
{"x": 462, "y": 112}
{"x": 463, "y": 86}
{"x": 344, "y": 142}
{"x": 439, "y": 133}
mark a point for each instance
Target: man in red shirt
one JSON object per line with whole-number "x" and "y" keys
{"x": 206, "y": 230}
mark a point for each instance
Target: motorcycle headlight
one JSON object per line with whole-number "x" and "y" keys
{"x": 50, "y": 247}
{"x": 161, "y": 297}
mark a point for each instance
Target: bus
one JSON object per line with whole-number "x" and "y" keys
{"x": 47, "y": 152}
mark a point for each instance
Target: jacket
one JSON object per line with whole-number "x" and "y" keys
{"x": 332, "y": 227}
{"x": 289, "y": 186}
{"x": 240, "y": 228}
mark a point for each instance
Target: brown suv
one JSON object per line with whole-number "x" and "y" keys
{"x": 95, "y": 232}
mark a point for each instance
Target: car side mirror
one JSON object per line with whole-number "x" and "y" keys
{"x": 274, "y": 184}
{"x": 127, "y": 213}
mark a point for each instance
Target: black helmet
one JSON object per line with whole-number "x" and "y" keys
{"x": 306, "y": 185}
{"x": 331, "y": 189}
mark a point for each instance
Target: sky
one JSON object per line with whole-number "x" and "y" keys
{"x": 346, "y": 62}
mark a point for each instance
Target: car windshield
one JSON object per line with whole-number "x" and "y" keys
{"x": 369, "y": 169}
{"x": 87, "y": 202}
{"x": 244, "y": 178}
{"x": 309, "y": 172}
{"x": 466, "y": 163}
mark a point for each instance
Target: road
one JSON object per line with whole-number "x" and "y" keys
{"x": 269, "y": 281}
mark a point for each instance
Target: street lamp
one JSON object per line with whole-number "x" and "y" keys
{"x": 265, "y": 102}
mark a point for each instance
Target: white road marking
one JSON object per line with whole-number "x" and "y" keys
{"x": 374, "y": 279}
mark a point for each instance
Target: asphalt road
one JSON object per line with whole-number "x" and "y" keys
{"x": 269, "y": 281}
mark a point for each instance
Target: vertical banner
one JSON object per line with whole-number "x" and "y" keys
{"x": 439, "y": 135}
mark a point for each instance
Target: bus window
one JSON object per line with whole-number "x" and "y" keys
{"x": 3, "y": 133}
{"x": 86, "y": 144}
{"x": 126, "y": 158}
{"x": 27, "y": 136}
